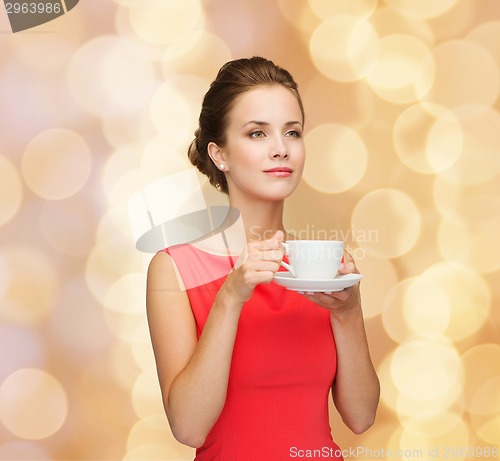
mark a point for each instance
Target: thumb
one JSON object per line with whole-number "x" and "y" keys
{"x": 278, "y": 235}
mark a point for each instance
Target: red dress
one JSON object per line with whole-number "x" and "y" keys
{"x": 283, "y": 365}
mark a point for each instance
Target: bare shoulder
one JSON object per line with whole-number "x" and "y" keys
{"x": 162, "y": 272}
{"x": 171, "y": 321}
{"x": 165, "y": 290}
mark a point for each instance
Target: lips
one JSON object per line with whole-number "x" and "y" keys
{"x": 281, "y": 169}
{"x": 279, "y": 172}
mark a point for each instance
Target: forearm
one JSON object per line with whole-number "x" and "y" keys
{"x": 356, "y": 389}
{"x": 198, "y": 393}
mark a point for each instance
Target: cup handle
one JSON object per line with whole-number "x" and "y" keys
{"x": 284, "y": 264}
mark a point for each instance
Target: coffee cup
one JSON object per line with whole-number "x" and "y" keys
{"x": 313, "y": 259}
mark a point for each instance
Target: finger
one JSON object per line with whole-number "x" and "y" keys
{"x": 279, "y": 236}
{"x": 325, "y": 299}
{"x": 264, "y": 266}
{"x": 267, "y": 255}
{"x": 347, "y": 266}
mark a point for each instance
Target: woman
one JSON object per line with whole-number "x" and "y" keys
{"x": 246, "y": 366}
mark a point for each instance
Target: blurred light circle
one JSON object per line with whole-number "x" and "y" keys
{"x": 404, "y": 71}
{"x": 336, "y": 158}
{"x": 468, "y": 295}
{"x": 129, "y": 123}
{"x": 20, "y": 347}
{"x": 108, "y": 261}
{"x": 154, "y": 431}
{"x": 32, "y": 285}
{"x": 123, "y": 325}
{"x": 379, "y": 278}
{"x": 119, "y": 163}
{"x": 448, "y": 194}
{"x": 70, "y": 327}
{"x": 393, "y": 318}
{"x": 406, "y": 405}
{"x": 299, "y": 15}
{"x": 428, "y": 138}
{"x": 426, "y": 368}
{"x": 121, "y": 365}
{"x": 67, "y": 225}
{"x": 127, "y": 294}
{"x": 105, "y": 411}
{"x": 486, "y": 400}
{"x": 172, "y": 115}
{"x": 158, "y": 155}
{"x": 56, "y": 164}
{"x": 487, "y": 428}
{"x": 186, "y": 57}
{"x": 150, "y": 452}
{"x": 433, "y": 424}
{"x": 23, "y": 450}
{"x": 422, "y": 9}
{"x": 129, "y": 99}
{"x": 478, "y": 161}
{"x": 47, "y": 56}
{"x": 388, "y": 21}
{"x": 359, "y": 8}
{"x": 393, "y": 217}
{"x": 141, "y": 346}
{"x": 407, "y": 310}
{"x": 163, "y": 21}
{"x": 129, "y": 3}
{"x": 469, "y": 233}
{"x": 388, "y": 391}
{"x": 482, "y": 366}
{"x": 344, "y": 48}
{"x": 487, "y": 35}
{"x": 33, "y": 404}
{"x": 102, "y": 67}
{"x": 426, "y": 307}
{"x": 146, "y": 394}
{"x": 350, "y": 105}
{"x": 11, "y": 190}
{"x": 481, "y": 396}
{"x": 466, "y": 73}
{"x": 454, "y": 443}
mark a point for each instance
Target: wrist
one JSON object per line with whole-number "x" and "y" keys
{"x": 348, "y": 314}
{"x": 226, "y": 300}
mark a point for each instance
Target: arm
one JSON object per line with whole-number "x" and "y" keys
{"x": 356, "y": 388}
{"x": 194, "y": 374}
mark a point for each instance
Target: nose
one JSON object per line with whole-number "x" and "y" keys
{"x": 279, "y": 148}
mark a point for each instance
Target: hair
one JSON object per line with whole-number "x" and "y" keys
{"x": 233, "y": 79}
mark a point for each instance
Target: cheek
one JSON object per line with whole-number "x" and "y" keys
{"x": 301, "y": 157}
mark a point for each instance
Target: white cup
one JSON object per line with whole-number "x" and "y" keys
{"x": 313, "y": 259}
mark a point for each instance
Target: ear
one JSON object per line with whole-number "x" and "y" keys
{"x": 217, "y": 155}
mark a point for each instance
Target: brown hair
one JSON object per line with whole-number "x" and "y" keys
{"x": 233, "y": 79}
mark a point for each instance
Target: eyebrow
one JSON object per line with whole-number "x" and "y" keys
{"x": 262, "y": 123}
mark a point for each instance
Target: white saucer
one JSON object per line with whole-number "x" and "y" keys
{"x": 340, "y": 282}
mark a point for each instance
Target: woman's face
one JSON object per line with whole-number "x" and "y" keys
{"x": 264, "y": 151}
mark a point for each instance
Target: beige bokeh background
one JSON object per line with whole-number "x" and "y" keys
{"x": 403, "y": 137}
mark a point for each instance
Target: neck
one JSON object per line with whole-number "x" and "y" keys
{"x": 261, "y": 219}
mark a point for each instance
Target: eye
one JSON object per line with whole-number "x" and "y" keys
{"x": 257, "y": 134}
{"x": 294, "y": 134}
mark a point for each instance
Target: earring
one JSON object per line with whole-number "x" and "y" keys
{"x": 222, "y": 166}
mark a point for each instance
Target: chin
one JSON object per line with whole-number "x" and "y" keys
{"x": 277, "y": 195}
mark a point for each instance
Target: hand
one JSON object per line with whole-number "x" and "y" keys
{"x": 340, "y": 302}
{"x": 258, "y": 264}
